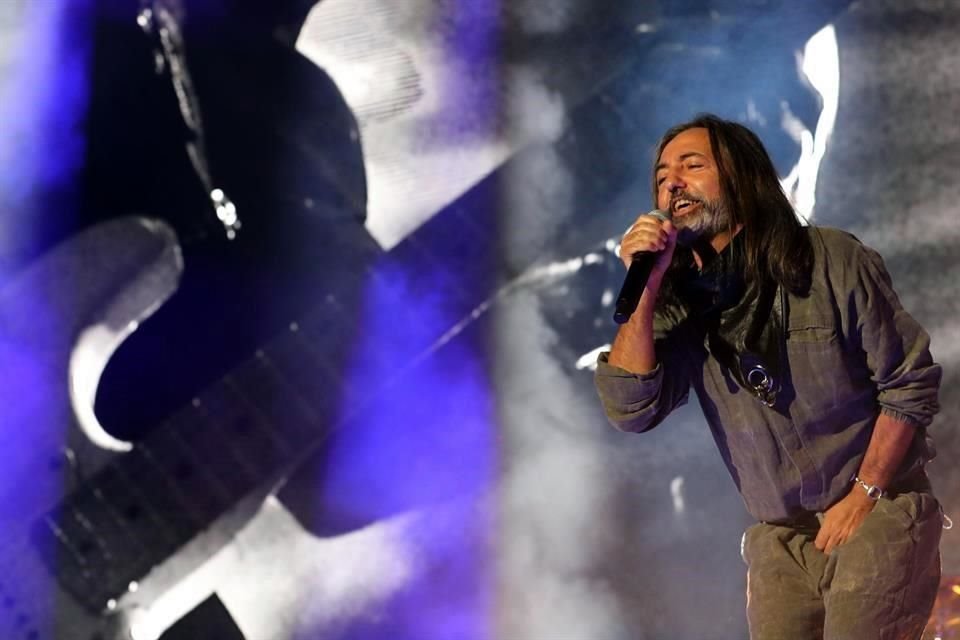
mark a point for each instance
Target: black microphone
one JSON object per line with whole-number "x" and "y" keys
{"x": 637, "y": 276}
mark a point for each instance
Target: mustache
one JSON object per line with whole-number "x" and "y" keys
{"x": 685, "y": 195}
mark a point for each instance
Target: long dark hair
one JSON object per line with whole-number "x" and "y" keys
{"x": 775, "y": 244}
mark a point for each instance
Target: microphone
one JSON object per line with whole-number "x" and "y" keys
{"x": 637, "y": 276}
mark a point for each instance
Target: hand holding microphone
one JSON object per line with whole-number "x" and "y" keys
{"x": 646, "y": 248}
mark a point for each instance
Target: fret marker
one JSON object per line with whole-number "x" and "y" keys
{"x": 294, "y": 327}
{"x": 133, "y": 587}
{"x": 111, "y": 604}
{"x": 195, "y": 403}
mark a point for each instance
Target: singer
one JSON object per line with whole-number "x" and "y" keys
{"x": 816, "y": 385}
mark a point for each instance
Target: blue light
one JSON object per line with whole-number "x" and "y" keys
{"x": 43, "y": 101}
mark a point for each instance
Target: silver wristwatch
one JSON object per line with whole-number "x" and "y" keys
{"x": 873, "y": 491}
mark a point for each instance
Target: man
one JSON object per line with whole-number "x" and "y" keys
{"x": 816, "y": 384}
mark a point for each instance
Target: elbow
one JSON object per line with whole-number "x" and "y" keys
{"x": 633, "y": 403}
{"x": 633, "y": 421}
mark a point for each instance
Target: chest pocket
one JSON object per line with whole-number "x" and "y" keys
{"x": 830, "y": 378}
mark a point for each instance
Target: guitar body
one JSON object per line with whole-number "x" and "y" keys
{"x": 280, "y": 142}
{"x": 153, "y": 396}
{"x": 85, "y": 296}
{"x": 59, "y": 323}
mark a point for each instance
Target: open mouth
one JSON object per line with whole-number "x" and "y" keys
{"x": 683, "y": 206}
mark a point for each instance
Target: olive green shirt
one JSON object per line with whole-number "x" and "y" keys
{"x": 851, "y": 352}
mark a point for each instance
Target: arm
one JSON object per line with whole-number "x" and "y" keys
{"x": 634, "y": 388}
{"x": 898, "y": 356}
{"x": 633, "y": 348}
{"x": 888, "y": 444}
{"x": 638, "y": 402}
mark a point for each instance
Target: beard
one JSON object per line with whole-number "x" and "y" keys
{"x": 712, "y": 219}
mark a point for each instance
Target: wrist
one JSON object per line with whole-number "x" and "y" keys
{"x": 653, "y": 284}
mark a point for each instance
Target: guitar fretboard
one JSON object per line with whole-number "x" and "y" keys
{"x": 232, "y": 438}
{"x": 268, "y": 413}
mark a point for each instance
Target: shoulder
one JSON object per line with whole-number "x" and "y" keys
{"x": 838, "y": 249}
{"x": 844, "y": 260}
{"x": 834, "y": 241}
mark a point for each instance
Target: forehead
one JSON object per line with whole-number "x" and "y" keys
{"x": 685, "y": 143}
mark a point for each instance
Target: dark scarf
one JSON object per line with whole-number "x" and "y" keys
{"x": 742, "y": 321}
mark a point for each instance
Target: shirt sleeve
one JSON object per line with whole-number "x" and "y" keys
{"x": 639, "y": 402}
{"x": 897, "y": 348}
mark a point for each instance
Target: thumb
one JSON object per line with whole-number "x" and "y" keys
{"x": 665, "y": 257}
{"x": 671, "y": 233}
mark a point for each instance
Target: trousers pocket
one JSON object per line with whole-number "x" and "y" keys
{"x": 914, "y": 507}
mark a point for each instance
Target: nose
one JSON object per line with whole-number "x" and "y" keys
{"x": 673, "y": 182}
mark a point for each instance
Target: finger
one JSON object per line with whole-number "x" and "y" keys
{"x": 639, "y": 240}
{"x": 646, "y": 230}
{"x": 821, "y": 540}
{"x": 669, "y": 229}
{"x": 637, "y": 231}
{"x": 837, "y": 541}
{"x": 831, "y": 544}
{"x": 647, "y": 234}
{"x": 648, "y": 220}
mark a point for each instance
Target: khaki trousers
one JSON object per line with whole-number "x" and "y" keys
{"x": 880, "y": 585}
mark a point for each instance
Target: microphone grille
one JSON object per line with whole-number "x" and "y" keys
{"x": 663, "y": 216}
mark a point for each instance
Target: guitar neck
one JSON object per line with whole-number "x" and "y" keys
{"x": 232, "y": 438}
